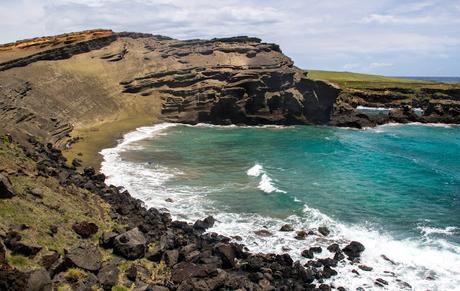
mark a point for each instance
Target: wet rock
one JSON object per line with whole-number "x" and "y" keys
{"x": 354, "y": 249}
{"x": 287, "y": 227}
{"x": 388, "y": 259}
{"x": 130, "y": 245}
{"x": 85, "y": 229}
{"x": 328, "y": 272}
{"x": 48, "y": 260}
{"x": 324, "y": 287}
{"x": 108, "y": 275}
{"x": 86, "y": 257}
{"x": 263, "y": 232}
{"x": 328, "y": 262}
{"x": 365, "y": 268}
{"x": 301, "y": 235}
{"x": 380, "y": 282}
{"x": 170, "y": 200}
{"x": 341, "y": 288}
{"x": 316, "y": 249}
{"x": 204, "y": 224}
{"x": 333, "y": 248}
{"x": 324, "y": 230}
{"x": 339, "y": 256}
{"x": 307, "y": 254}
{"x": 306, "y": 275}
{"x": 171, "y": 257}
{"x": 6, "y": 189}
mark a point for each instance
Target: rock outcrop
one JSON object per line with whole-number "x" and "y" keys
{"x": 51, "y": 86}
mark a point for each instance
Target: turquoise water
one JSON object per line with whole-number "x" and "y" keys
{"x": 395, "y": 187}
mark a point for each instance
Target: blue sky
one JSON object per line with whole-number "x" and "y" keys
{"x": 387, "y": 37}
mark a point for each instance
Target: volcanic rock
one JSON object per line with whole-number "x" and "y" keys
{"x": 287, "y": 227}
{"x": 85, "y": 229}
{"x": 354, "y": 249}
{"x": 6, "y": 189}
{"x": 86, "y": 257}
{"x": 130, "y": 245}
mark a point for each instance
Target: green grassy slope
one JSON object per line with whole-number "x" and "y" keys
{"x": 357, "y": 80}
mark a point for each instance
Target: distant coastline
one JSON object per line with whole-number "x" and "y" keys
{"x": 436, "y": 79}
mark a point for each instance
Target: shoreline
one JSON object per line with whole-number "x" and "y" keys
{"x": 106, "y": 135}
{"x": 373, "y": 248}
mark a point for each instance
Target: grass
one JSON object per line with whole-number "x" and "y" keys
{"x": 361, "y": 81}
{"x": 60, "y": 206}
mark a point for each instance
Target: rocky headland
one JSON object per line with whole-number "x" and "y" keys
{"x": 63, "y": 228}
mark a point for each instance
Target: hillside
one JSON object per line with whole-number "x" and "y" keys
{"x": 355, "y": 80}
{"x": 62, "y": 227}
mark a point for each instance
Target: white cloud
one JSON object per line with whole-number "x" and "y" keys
{"x": 377, "y": 65}
{"x": 395, "y": 19}
{"x": 326, "y": 33}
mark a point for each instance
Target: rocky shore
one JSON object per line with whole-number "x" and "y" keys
{"x": 189, "y": 258}
{"x": 63, "y": 228}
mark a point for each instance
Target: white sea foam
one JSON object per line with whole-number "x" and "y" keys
{"x": 417, "y": 261}
{"x": 427, "y": 230}
{"x": 266, "y": 183}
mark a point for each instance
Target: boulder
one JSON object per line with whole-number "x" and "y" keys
{"x": 48, "y": 260}
{"x": 354, "y": 249}
{"x": 14, "y": 242}
{"x": 107, "y": 238}
{"x": 86, "y": 257}
{"x": 130, "y": 245}
{"x": 227, "y": 254}
{"x": 85, "y": 229}
{"x": 287, "y": 227}
{"x": 108, "y": 274}
{"x": 263, "y": 232}
{"x": 38, "y": 280}
{"x": 316, "y": 249}
{"x": 307, "y": 254}
{"x": 184, "y": 271}
{"x": 334, "y": 248}
{"x": 204, "y": 224}
{"x": 6, "y": 189}
{"x": 365, "y": 268}
{"x": 324, "y": 230}
{"x": 328, "y": 272}
{"x": 301, "y": 235}
{"x": 171, "y": 257}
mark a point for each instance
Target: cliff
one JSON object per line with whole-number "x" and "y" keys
{"x": 56, "y": 87}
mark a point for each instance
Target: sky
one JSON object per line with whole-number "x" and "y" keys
{"x": 388, "y": 37}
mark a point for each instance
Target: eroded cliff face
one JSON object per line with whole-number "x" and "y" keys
{"x": 51, "y": 85}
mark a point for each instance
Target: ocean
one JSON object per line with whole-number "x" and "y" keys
{"x": 394, "y": 188}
